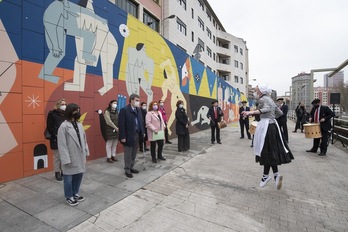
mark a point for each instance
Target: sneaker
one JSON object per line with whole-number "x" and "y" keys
{"x": 279, "y": 181}
{"x": 78, "y": 198}
{"x": 264, "y": 181}
{"x": 71, "y": 201}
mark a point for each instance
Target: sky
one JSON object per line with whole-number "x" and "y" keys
{"x": 285, "y": 38}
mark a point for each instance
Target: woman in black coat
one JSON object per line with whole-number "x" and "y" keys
{"x": 181, "y": 126}
{"x": 54, "y": 119}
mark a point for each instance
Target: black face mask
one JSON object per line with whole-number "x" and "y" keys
{"x": 76, "y": 116}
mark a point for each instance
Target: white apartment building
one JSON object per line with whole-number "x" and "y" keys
{"x": 197, "y": 30}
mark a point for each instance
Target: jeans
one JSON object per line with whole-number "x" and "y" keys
{"x": 111, "y": 145}
{"x": 72, "y": 184}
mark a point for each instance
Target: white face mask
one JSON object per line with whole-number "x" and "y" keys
{"x": 144, "y": 107}
{"x": 136, "y": 103}
{"x": 181, "y": 106}
{"x": 114, "y": 106}
{"x": 256, "y": 96}
{"x": 62, "y": 107}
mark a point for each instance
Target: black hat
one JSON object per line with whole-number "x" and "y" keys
{"x": 214, "y": 101}
{"x": 315, "y": 101}
{"x": 244, "y": 102}
{"x": 280, "y": 99}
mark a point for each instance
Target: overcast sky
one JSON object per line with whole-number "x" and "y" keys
{"x": 287, "y": 37}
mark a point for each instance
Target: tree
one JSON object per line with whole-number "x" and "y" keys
{"x": 343, "y": 90}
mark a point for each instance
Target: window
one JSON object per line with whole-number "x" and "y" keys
{"x": 151, "y": 21}
{"x": 236, "y": 79}
{"x": 241, "y": 51}
{"x": 182, "y": 3}
{"x": 201, "y": 4}
{"x": 193, "y": 36}
{"x": 128, "y": 6}
{"x": 236, "y": 48}
{"x": 241, "y": 80}
{"x": 208, "y": 33}
{"x": 200, "y": 45}
{"x": 192, "y": 13}
{"x": 209, "y": 51}
{"x": 181, "y": 26}
{"x": 214, "y": 56}
{"x": 200, "y": 23}
{"x": 236, "y": 63}
{"x": 214, "y": 39}
{"x": 241, "y": 66}
{"x": 156, "y": 1}
{"x": 209, "y": 15}
{"x": 226, "y": 77}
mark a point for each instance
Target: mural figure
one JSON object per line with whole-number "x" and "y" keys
{"x": 185, "y": 72}
{"x": 171, "y": 84}
{"x": 92, "y": 39}
{"x": 201, "y": 116}
{"x": 140, "y": 71}
{"x": 8, "y": 74}
{"x": 40, "y": 156}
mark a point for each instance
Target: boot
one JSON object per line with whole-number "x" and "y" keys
{"x": 109, "y": 160}
{"x": 114, "y": 159}
{"x": 58, "y": 176}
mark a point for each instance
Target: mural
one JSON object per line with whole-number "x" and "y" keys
{"x": 89, "y": 52}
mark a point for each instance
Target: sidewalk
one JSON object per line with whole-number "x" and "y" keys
{"x": 210, "y": 188}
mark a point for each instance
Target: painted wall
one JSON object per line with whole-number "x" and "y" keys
{"x": 88, "y": 53}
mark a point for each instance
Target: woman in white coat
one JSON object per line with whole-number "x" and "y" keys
{"x": 73, "y": 150}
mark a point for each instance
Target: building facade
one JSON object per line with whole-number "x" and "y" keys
{"x": 300, "y": 90}
{"x": 197, "y": 30}
{"x": 334, "y": 81}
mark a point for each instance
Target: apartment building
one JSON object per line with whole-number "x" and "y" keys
{"x": 301, "y": 85}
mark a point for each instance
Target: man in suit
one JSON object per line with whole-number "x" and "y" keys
{"x": 321, "y": 114}
{"x": 215, "y": 114}
{"x": 131, "y": 127}
{"x": 244, "y": 121}
{"x": 282, "y": 120}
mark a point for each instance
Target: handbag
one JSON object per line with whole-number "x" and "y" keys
{"x": 222, "y": 124}
{"x": 47, "y": 134}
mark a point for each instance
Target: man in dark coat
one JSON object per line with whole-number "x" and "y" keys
{"x": 131, "y": 126}
{"x": 215, "y": 115}
{"x": 321, "y": 114}
{"x": 244, "y": 121}
{"x": 282, "y": 120}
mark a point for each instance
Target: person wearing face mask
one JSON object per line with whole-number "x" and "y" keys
{"x": 322, "y": 115}
{"x": 142, "y": 140}
{"x": 244, "y": 121}
{"x": 54, "y": 120}
{"x": 269, "y": 146}
{"x": 181, "y": 126}
{"x": 215, "y": 115}
{"x": 131, "y": 127}
{"x": 111, "y": 131}
{"x": 164, "y": 115}
{"x": 155, "y": 129}
{"x": 73, "y": 151}
{"x": 282, "y": 120}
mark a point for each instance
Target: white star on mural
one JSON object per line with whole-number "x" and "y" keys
{"x": 33, "y": 101}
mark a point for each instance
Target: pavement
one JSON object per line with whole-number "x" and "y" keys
{"x": 209, "y": 188}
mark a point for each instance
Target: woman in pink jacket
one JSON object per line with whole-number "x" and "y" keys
{"x": 155, "y": 131}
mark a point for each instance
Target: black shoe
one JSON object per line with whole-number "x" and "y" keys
{"x": 161, "y": 158}
{"x": 129, "y": 175}
{"x": 58, "y": 176}
{"x": 147, "y": 149}
{"x": 141, "y": 150}
{"x": 134, "y": 170}
{"x": 154, "y": 160}
{"x": 311, "y": 150}
{"x": 212, "y": 142}
{"x": 219, "y": 142}
{"x": 249, "y": 138}
{"x": 114, "y": 159}
{"x": 294, "y": 131}
{"x": 322, "y": 154}
{"x": 168, "y": 142}
{"x": 109, "y": 160}
{"x": 241, "y": 137}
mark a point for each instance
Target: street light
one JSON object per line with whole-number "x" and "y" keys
{"x": 169, "y": 17}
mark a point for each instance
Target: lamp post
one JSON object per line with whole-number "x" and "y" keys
{"x": 169, "y": 17}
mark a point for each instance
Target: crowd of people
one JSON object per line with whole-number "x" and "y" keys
{"x": 136, "y": 125}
